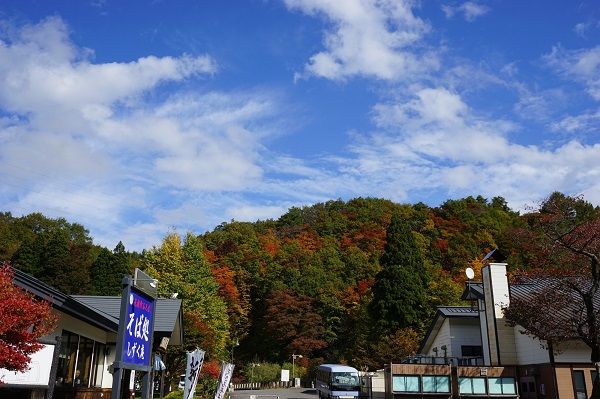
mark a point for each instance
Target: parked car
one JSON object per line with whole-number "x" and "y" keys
{"x": 181, "y": 382}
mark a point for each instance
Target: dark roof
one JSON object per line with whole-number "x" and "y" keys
{"x": 457, "y": 311}
{"x": 474, "y": 291}
{"x": 103, "y": 311}
{"x": 63, "y": 302}
{"x": 168, "y": 320}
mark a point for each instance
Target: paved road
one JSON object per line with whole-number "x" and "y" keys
{"x": 290, "y": 393}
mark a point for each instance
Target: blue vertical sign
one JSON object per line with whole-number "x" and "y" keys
{"x": 138, "y": 332}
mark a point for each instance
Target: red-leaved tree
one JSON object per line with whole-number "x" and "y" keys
{"x": 564, "y": 304}
{"x": 24, "y": 320}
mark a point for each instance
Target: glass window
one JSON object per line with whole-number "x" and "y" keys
{"x": 99, "y": 361}
{"x": 67, "y": 358}
{"x": 406, "y": 383}
{"x": 84, "y": 362}
{"x": 501, "y": 385}
{"x": 80, "y": 362}
{"x": 436, "y": 383}
{"x": 472, "y": 385}
{"x": 579, "y": 383}
{"x": 471, "y": 350}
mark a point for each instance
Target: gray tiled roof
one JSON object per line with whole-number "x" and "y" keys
{"x": 168, "y": 317}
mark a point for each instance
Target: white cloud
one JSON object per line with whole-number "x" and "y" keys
{"x": 579, "y": 65}
{"x": 380, "y": 39}
{"x": 434, "y": 143}
{"x": 106, "y": 152}
{"x": 586, "y": 122}
{"x": 470, "y": 10}
{"x": 43, "y": 73}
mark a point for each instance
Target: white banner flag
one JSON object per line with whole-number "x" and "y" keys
{"x": 195, "y": 360}
{"x": 224, "y": 378}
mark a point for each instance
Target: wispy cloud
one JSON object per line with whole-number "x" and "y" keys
{"x": 469, "y": 10}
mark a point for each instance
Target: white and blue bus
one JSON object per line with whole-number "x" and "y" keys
{"x": 336, "y": 381}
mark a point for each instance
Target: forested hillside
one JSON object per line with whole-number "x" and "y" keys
{"x": 354, "y": 281}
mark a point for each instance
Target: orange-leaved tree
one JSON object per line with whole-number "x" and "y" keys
{"x": 24, "y": 321}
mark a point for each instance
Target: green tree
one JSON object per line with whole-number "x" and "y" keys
{"x": 180, "y": 266}
{"x": 28, "y": 257}
{"x": 108, "y": 270}
{"x": 399, "y": 292}
{"x": 59, "y": 270}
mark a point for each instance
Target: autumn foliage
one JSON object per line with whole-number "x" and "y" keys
{"x": 24, "y": 321}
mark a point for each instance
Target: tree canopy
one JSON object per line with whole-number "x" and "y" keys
{"x": 24, "y": 321}
{"x": 564, "y": 306}
{"x": 335, "y": 265}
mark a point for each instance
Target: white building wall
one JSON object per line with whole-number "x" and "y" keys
{"x": 573, "y": 352}
{"x": 441, "y": 339}
{"x": 464, "y": 332}
{"x": 73, "y": 325}
{"x": 501, "y": 336}
{"x": 529, "y": 350}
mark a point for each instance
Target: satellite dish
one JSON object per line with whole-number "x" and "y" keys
{"x": 470, "y": 273}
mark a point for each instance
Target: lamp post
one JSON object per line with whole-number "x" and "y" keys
{"x": 294, "y": 357}
{"x": 233, "y": 345}
{"x": 253, "y": 365}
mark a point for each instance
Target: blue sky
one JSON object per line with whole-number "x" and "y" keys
{"x": 136, "y": 118}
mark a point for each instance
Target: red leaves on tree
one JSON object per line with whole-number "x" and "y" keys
{"x": 293, "y": 322}
{"x": 24, "y": 321}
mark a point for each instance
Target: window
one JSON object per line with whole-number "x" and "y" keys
{"x": 472, "y": 385}
{"x": 501, "y": 385}
{"x": 436, "y": 383}
{"x": 80, "y": 360}
{"x": 471, "y": 350}
{"x": 579, "y": 384}
{"x": 406, "y": 383}
{"x": 99, "y": 360}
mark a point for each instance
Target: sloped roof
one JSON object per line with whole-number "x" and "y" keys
{"x": 168, "y": 321}
{"x": 63, "y": 302}
{"x": 474, "y": 290}
{"x": 103, "y": 311}
{"x": 443, "y": 313}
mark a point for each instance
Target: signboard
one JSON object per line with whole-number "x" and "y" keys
{"x": 39, "y": 372}
{"x": 138, "y": 333}
{"x": 224, "y": 378}
{"x": 285, "y": 375}
{"x": 195, "y": 360}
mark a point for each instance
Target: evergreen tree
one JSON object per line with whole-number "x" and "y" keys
{"x": 399, "y": 292}
{"x": 28, "y": 257}
{"x": 100, "y": 273}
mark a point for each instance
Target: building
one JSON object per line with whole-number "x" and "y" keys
{"x": 75, "y": 362}
{"x": 470, "y": 351}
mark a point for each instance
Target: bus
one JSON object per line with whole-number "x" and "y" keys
{"x": 336, "y": 381}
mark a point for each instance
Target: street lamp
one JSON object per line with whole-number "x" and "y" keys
{"x": 294, "y": 357}
{"x": 253, "y": 365}
{"x": 233, "y": 345}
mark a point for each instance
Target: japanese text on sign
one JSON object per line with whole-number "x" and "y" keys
{"x": 138, "y": 333}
